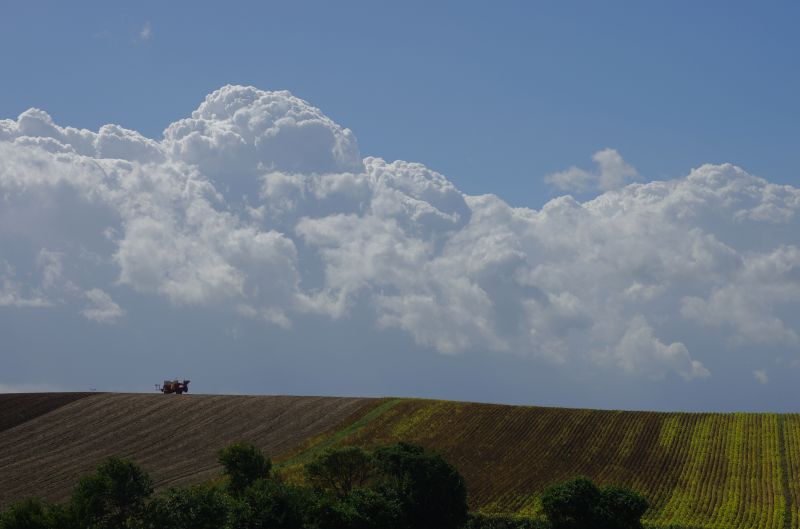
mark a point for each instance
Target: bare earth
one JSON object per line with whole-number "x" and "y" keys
{"x": 48, "y": 441}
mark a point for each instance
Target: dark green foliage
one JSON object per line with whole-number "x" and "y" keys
{"x": 362, "y": 509}
{"x": 112, "y": 497}
{"x": 61, "y": 517}
{"x": 271, "y": 504}
{"x": 374, "y": 510}
{"x": 397, "y": 487}
{"x": 340, "y": 470}
{"x": 620, "y": 508}
{"x": 500, "y": 521}
{"x": 431, "y": 492}
{"x": 244, "y": 464}
{"x": 26, "y": 514}
{"x": 197, "y": 507}
{"x": 579, "y": 503}
{"x": 571, "y": 505}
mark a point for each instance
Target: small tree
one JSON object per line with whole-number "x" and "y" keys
{"x": 195, "y": 507}
{"x": 620, "y": 508}
{"x": 341, "y": 470}
{"x": 579, "y": 503}
{"x": 270, "y": 504}
{"x": 374, "y": 510}
{"x": 30, "y": 513}
{"x": 430, "y": 490}
{"x": 365, "y": 508}
{"x": 571, "y": 505}
{"x": 244, "y": 464}
{"x": 112, "y": 497}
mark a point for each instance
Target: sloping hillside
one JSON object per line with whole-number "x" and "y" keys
{"x": 174, "y": 438}
{"x": 16, "y": 408}
{"x": 700, "y": 470}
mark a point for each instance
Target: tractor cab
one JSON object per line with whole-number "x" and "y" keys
{"x": 174, "y": 386}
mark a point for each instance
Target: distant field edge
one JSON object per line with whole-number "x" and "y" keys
{"x": 18, "y": 408}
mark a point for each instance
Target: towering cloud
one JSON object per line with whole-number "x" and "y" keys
{"x": 261, "y": 206}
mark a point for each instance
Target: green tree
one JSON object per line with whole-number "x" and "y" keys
{"x": 579, "y": 503}
{"x": 30, "y": 513}
{"x": 271, "y": 504}
{"x": 431, "y": 491}
{"x": 365, "y": 508}
{"x": 61, "y": 516}
{"x": 571, "y": 505}
{"x": 620, "y": 508}
{"x": 195, "y": 507}
{"x": 374, "y": 510}
{"x": 244, "y": 464}
{"x": 111, "y": 498}
{"x": 340, "y": 470}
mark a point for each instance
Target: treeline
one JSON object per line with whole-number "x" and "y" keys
{"x": 398, "y": 486}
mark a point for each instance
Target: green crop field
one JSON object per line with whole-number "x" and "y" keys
{"x": 699, "y": 470}
{"x": 703, "y": 470}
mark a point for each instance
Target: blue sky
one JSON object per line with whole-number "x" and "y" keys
{"x": 495, "y": 96}
{"x": 257, "y": 246}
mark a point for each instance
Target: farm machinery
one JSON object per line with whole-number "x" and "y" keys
{"x": 174, "y": 386}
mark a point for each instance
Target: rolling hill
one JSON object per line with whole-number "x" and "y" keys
{"x": 174, "y": 438}
{"x": 709, "y": 470}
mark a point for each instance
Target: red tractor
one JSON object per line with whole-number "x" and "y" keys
{"x": 174, "y": 386}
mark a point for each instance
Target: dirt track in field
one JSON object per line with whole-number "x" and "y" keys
{"x": 48, "y": 441}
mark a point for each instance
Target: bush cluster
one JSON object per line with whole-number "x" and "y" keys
{"x": 580, "y": 504}
{"x": 399, "y": 486}
{"x": 395, "y": 487}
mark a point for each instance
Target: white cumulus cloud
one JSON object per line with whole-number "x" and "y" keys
{"x": 260, "y": 206}
{"x": 613, "y": 172}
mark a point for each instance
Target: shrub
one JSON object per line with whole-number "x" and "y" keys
{"x": 620, "y": 508}
{"x": 579, "y": 503}
{"x": 271, "y": 504}
{"x": 26, "y": 514}
{"x": 362, "y": 509}
{"x": 341, "y": 470}
{"x": 571, "y": 505}
{"x": 112, "y": 497}
{"x": 243, "y": 464}
{"x": 196, "y": 507}
{"x": 504, "y": 521}
{"x": 431, "y": 492}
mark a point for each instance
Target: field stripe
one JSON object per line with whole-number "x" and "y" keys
{"x": 325, "y": 441}
{"x": 787, "y": 495}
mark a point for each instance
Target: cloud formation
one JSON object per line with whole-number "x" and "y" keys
{"x": 102, "y": 308}
{"x": 261, "y": 206}
{"x": 146, "y": 32}
{"x": 613, "y": 172}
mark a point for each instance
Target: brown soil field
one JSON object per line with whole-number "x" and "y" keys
{"x": 16, "y": 408}
{"x": 174, "y": 438}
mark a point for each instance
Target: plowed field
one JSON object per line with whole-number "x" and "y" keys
{"x": 700, "y": 470}
{"x": 16, "y": 408}
{"x": 174, "y": 438}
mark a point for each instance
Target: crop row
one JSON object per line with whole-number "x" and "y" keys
{"x": 714, "y": 471}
